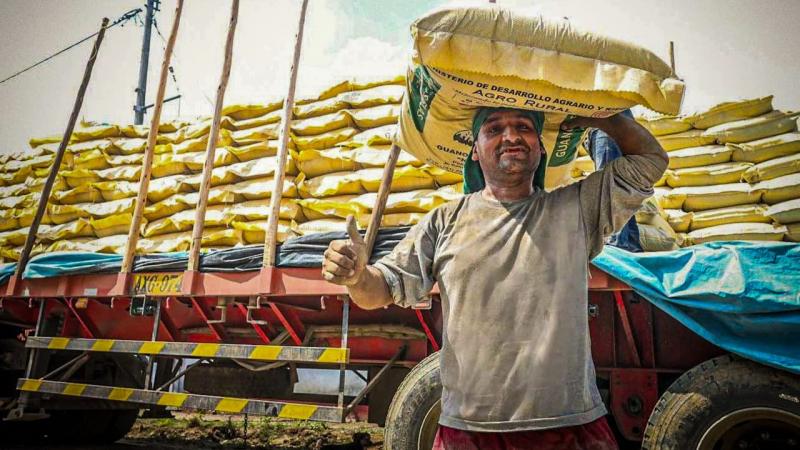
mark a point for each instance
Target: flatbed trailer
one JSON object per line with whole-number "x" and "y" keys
{"x": 82, "y": 354}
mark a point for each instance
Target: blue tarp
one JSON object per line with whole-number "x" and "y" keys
{"x": 741, "y": 296}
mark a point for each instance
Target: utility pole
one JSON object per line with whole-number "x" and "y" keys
{"x": 141, "y": 89}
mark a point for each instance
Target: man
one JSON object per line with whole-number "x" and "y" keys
{"x": 512, "y": 261}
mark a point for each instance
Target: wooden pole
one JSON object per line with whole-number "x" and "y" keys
{"x": 62, "y": 148}
{"x": 383, "y": 195}
{"x": 147, "y": 162}
{"x": 213, "y": 136}
{"x": 271, "y": 238}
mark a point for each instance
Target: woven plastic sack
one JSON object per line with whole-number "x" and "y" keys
{"x": 730, "y": 112}
{"x": 372, "y": 137}
{"x": 124, "y": 160}
{"x": 663, "y": 125}
{"x": 785, "y": 212}
{"x": 165, "y": 243}
{"x": 216, "y": 216}
{"x": 678, "y": 219}
{"x": 770, "y": 124}
{"x": 321, "y": 124}
{"x": 243, "y": 111}
{"x": 408, "y": 178}
{"x": 378, "y": 155}
{"x": 731, "y": 214}
{"x": 330, "y": 207}
{"x": 699, "y": 156}
{"x": 216, "y": 238}
{"x": 121, "y": 173}
{"x": 256, "y": 134}
{"x": 75, "y": 229}
{"x": 66, "y": 213}
{"x": 259, "y": 188}
{"x": 113, "y": 225}
{"x": 129, "y": 147}
{"x": 180, "y": 202}
{"x": 375, "y": 116}
{"x": 391, "y": 219}
{"x": 731, "y": 172}
{"x": 739, "y": 232}
{"x": 485, "y": 56}
{"x": 685, "y": 139}
{"x": 379, "y": 95}
{"x": 95, "y": 132}
{"x": 319, "y": 226}
{"x": 669, "y": 199}
{"x": 324, "y": 140}
{"x": 779, "y": 189}
{"x": 82, "y": 194}
{"x": 338, "y": 183}
{"x": 768, "y": 148}
{"x": 259, "y": 209}
{"x": 269, "y": 118}
{"x": 255, "y": 232}
{"x": 774, "y": 168}
{"x": 320, "y": 108}
{"x": 654, "y": 238}
{"x": 700, "y": 198}
{"x": 793, "y": 232}
{"x": 256, "y": 151}
{"x": 314, "y": 163}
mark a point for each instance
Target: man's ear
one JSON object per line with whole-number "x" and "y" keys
{"x": 475, "y": 153}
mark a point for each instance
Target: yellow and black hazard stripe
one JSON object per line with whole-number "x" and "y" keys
{"x": 182, "y": 400}
{"x": 327, "y": 355}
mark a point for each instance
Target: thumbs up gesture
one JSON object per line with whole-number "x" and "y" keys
{"x": 345, "y": 260}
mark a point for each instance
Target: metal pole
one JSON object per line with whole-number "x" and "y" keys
{"x": 213, "y": 135}
{"x": 271, "y": 238}
{"x": 147, "y": 162}
{"x": 62, "y": 147}
{"x": 345, "y": 332}
{"x": 672, "y": 57}
{"x": 148, "y": 375}
{"x": 141, "y": 89}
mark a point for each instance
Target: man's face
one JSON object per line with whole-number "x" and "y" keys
{"x": 507, "y": 145}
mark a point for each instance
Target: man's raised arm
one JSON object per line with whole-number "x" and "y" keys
{"x": 345, "y": 263}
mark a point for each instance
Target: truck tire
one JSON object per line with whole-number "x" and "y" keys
{"x": 727, "y": 403}
{"x": 413, "y": 416}
{"x": 90, "y": 426}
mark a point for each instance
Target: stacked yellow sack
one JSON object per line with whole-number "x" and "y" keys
{"x": 734, "y": 173}
{"x": 339, "y": 143}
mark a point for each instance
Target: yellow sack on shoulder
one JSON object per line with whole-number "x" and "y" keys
{"x": 730, "y": 214}
{"x": 731, "y": 172}
{"x": 779, "y": 189}
{"x": 731, "y": 112}
{"x": 468, "y": 57}
{"x": 770, "y": 124}
{"x": 768, "y": 148}
{"x": 773, "y": 168}
{"x": 785, "y": 212}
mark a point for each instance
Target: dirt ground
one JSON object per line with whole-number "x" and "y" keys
{"x": 207, "y": 432}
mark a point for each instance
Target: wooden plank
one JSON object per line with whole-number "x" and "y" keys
{"x": 383, "y": 195}
{"x": 271, "y": 237}
{"x": 213, "y": 136}
{"x": 147, "y": 162}
{"x": 62, "y": 148}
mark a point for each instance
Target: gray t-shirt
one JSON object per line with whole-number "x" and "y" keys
{"x": 513, "y": 279}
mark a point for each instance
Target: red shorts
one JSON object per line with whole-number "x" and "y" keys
{"x": 592, "y": 436}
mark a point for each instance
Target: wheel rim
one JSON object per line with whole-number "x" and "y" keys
{"x": 753, "y": 429}
{"x": 430, "y": 423}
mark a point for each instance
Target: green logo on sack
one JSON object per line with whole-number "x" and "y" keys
{"x": 422, "y": 91}
{"x": 565, "y": 146}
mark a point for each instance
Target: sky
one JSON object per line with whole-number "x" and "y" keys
{"x": 725, "y": 50}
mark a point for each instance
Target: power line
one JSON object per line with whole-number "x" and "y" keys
{"x": 122, "y": 19}
{"x": 171, "y": 69}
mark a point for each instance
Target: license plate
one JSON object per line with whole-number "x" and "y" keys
{"x": 157, "y": 284}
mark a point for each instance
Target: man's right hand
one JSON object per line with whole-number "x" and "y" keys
{"x": 345, "y": 260}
